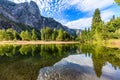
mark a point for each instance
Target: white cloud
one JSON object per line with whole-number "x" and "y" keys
{"x": 80, "y": 23}
{"x": 86, "y": 22}
{"x": 89, "y": 5}
{"x": 51, "y": 8}
{"x": 106, "y": 15}
{"x": 55, "y": 8}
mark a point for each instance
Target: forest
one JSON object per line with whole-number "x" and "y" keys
{"x": 100, "y": 30}
{"x": 45, "y": 34}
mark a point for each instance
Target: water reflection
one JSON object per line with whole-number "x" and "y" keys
{"x": 101, "y": 55}
{"x": 77, "y": 67}
{"x": 23, "y": 62}
{"x": 95, "y": 63}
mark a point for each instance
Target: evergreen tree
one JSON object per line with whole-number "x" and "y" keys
{"x": 96, "y": 20}
{"x": 117, "y": 1}
{"x": 113, "y": 18}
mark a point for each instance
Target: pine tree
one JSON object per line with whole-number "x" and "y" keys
{"x": 96, "y": 20}
{"x": 117, "y": 1}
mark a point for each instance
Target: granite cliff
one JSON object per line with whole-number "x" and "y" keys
{"x": 28, "y": 14}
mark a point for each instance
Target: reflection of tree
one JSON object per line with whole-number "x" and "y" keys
{"x": 54, "y": 50}
{"x": 23, "y": 62}
{"x": 101, "y": 55}
{"x": 42, "y": 50}
{"x": 8, "y": 50}
{"x": 26, "y": 49}
{"x": 98, "y": 62}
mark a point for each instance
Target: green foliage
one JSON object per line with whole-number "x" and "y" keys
{"x": 85, "y": 35}
{"x": 34, "y": 35}
{"x": 96, "y": 20}
{"x": 48, "y": 33}
{"x": 101, "y": 31}
{"x": 2, "y": 34}
{"x": 54, "y": 34}
{"x": 25, "y": 35}
{"x": 59, "y": 35}
{"x": 117, "y": 34}
{"x": 8, "y": 34}
{"x": 45, "y": 34}
{"x": 117, "y": 1}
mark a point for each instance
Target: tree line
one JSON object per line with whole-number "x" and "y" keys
{"x": 46, "y": 34}
{"x": 100, "y": 30}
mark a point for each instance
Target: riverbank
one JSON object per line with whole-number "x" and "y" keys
{"x": 38, "y": 42}
{"x": 113, "y": 43}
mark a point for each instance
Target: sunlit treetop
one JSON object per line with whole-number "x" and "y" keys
{"x": 117, "y": 1}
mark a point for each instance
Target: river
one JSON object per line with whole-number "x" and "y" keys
{"x": 59, "y": 62}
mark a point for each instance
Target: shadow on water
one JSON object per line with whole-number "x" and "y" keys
{"x": 68, "y": 62}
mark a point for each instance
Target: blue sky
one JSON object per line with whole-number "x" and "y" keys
{"x": 76, "y": 14}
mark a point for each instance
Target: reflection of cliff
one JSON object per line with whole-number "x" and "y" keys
{"x": 24, "y": 62}
{"x": 101, "y": 55}
{"x": 74, "y": 67}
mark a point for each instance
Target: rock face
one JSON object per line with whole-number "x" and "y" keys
{"x": 28, "y": 13}
{"x": 5, "y": 23}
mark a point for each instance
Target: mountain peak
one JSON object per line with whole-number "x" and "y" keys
{"x": 28, "y": 13}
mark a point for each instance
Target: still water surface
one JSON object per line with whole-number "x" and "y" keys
{"x": 59, "y": 62}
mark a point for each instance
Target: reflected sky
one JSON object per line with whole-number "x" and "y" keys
{"x": 78, "y": 67}
{"x": 61, "y": 62}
